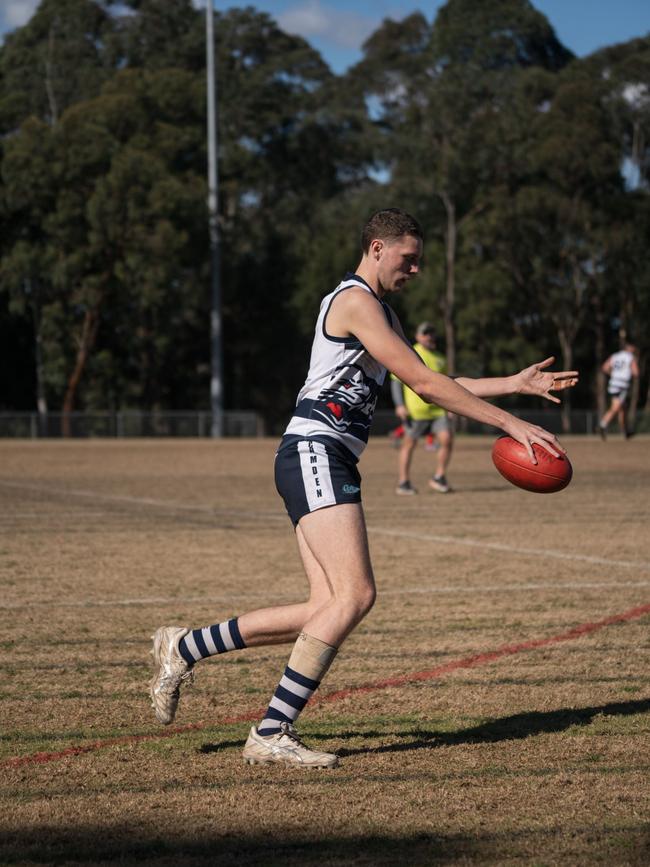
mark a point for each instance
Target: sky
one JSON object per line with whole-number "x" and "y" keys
{"x": 338, "y": 28}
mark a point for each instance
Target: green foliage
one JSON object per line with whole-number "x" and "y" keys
{"x": 56, "y": 59}
{"x": 528, "y": 169}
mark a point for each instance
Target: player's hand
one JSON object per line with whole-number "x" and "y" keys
{"x": 527, "y": 434}
{"x": 538, "y": 381}
{"x": 401, "y": 412}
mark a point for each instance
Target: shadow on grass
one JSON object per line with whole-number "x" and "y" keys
{"x": 221, "y": 746}
{"x": 521, "y": 725}
{"x": 101, "y": 844}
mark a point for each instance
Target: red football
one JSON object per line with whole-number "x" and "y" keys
{"x": 548, "y": 475}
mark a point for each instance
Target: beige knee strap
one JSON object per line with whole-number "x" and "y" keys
{"x": 311, "y": 657}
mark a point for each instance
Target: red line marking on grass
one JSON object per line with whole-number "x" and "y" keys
{"x": 429, "y": 674}
{"x": 481, "y": 658}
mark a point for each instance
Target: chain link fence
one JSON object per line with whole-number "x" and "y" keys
{"x": 32, "y": 425}
{"x": 581, "y": 421}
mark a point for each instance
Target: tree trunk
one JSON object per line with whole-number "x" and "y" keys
{"x": 34, "y": 306}
{"x": 450, "y": 284}
{"x": 88, "y": 335}
{"x": 49, "y": 84}
{"x": 634, "y": 404}
{"x": 566, "y": 346}
{"x": 599, "y": 357}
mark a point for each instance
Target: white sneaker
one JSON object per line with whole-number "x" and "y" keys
{"x": 440, "y": 484}
{"x": 405, "y": 489}
{"x": 285, "y": 749}
{"x": 170, "y": 671}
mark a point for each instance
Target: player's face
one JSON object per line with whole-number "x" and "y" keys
{"x": 427, "y": 339}
{"x": 398, "y": 261}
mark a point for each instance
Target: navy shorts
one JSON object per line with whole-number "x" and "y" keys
{"x": 311, "y": 475}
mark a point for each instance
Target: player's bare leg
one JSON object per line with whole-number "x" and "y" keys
{"x": 615, "y": 408}
{"x": 404, "y": 466}
{"x": 439, "y": 481}
{"x": 622, "y": 420}
{"x": 283, "y": 623}
{"x": 177, "y": 649}
{"x": 334, "y": 546}
{"x": 337, "y": 540}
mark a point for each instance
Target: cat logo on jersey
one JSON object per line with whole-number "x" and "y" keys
{"x": 336, "y": 409}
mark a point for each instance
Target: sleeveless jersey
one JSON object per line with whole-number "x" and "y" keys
{"x": 338, "y": 399}
{"x": 621, "y": 371}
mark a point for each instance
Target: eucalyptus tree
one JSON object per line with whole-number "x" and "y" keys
{"x": 552, "y": 223}
{"x": 28, "y": 197}
{"x": 107, "y": 204}
{"x": 624, "y": 71}
{"x": 289, "y": 144}
{"x": 439, "y": 89}
{"x": 58, "y": 57}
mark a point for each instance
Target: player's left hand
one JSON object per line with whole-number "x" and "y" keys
{"x": 538, "y": 381}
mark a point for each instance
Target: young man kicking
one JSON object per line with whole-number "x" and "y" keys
{"x": 357, "y": 339}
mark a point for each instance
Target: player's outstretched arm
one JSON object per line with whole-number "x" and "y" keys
{"x": 535, "y": 380}
{"x": 538, "y": 381}
{"x": 359, "y": 314}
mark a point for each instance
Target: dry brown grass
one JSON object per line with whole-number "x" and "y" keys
{"x": 539, "y": 757}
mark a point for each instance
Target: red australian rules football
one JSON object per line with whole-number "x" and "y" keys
{"x": 548, "y": 475}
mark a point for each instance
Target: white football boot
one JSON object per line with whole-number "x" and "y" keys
{"x": 171, "y": 670}
{"x": 286, "y": 749}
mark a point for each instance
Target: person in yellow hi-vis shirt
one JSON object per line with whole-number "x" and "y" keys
{"x": 420, "y": 418}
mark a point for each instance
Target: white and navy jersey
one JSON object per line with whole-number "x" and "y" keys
{"x": 620, "y": 374}
{"x": 338, "y": 399}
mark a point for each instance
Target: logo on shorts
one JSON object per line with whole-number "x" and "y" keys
{"x": 350, "y": 489}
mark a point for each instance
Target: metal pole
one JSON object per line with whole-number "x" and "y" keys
{"x": 216, "y": 384}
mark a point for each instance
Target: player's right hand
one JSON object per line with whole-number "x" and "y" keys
{"x": 527, "y": 434}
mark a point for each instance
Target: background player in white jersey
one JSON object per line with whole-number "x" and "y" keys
{"x": 357, "y": 339}
{"x": 621, "y": 368}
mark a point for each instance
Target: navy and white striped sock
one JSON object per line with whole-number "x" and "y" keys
{"x": 308, "y": 664}
{"x": 210, "y": 640}
{"x": 292, "y": 694}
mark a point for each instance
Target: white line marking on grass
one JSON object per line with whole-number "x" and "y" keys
{"x": 274, "y": 599}
{"x": 403, "y": 534}
{"x": 149, "y": 600}
{"x": 510, "y": 549}
{"x": 11, "y": 520}
{"x": 145, "y": 501}
{"x": 517, "y": 588}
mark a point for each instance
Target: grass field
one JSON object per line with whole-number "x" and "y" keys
{"x": 493, "y": 708}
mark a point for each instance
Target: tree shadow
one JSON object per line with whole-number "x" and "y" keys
{"x": 104, "y": 843}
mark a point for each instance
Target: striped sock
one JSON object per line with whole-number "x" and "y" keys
{"x": 220, "y": 638}
{"x": 308, "y": 664}
{"x": 292, "y": 694}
